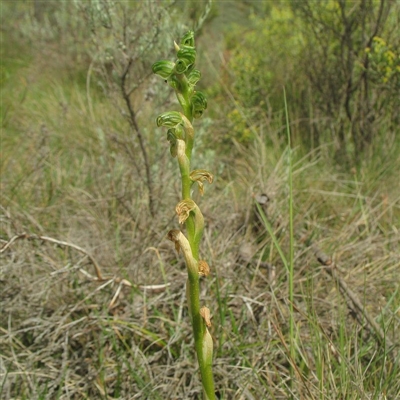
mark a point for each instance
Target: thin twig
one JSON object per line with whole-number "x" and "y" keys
{"x": 134, "y": 125}
{"x": 11, "y": 241}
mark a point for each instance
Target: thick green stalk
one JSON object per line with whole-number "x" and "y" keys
{"x": 183, "y": 93}
{"x": 199, "y": 330}
{"x": 202, "y": 337}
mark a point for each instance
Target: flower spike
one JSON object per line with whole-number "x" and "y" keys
{"x": 182, "y": 76}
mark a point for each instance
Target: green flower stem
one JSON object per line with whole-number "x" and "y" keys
{"x": 184, "y": 166}
{"x": 195, "y": 233}
{"x": 199, "y": 330}
{"x": 189, "y": 137}
{"x": 183, "y": 95}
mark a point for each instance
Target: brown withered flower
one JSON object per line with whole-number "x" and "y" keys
{"x": 183, "y": 209}
{"x": 199, "y": 176}
{"x": 206, "y": 315}
{"x": 204, "y": 269}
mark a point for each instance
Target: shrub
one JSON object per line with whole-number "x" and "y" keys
{"x": 317, "y": 51}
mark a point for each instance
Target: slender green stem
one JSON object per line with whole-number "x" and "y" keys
{"x": 291, "y": 245}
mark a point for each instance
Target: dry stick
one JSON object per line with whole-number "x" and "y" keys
{"x": 133, "y": 123}
{"x": 353, "y": 302}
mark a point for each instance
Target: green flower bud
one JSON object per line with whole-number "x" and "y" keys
{"x": 199, "y": 104}
{"x": 181, "y": 66}
{"x": 187, "y": 53}
{"x": 186, "y": 58}
{"x": 194, "y": 77}
{"x": 169, "y": 119}
{"x": 171, "y": 135}
{"x": 163, "y": 68}
{"x": 188, "y": 39}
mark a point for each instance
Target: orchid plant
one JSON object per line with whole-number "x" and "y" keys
{"x": 182, "y": 76}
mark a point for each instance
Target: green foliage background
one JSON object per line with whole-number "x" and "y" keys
{"x": 339, "y": 63}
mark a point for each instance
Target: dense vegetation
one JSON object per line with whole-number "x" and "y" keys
{"x": 92, "y": 294}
